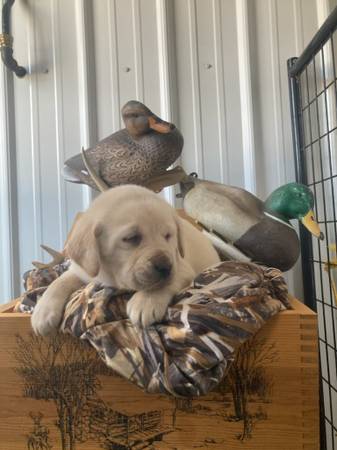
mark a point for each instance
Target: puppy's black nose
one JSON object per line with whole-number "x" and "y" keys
{"x": 162, "y": 266}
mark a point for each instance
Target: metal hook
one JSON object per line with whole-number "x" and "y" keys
{"x": 6, "y": 42}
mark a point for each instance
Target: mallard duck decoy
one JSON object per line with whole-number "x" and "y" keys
{"x": 145, "y": 148}
{"x": 244, "y": 227}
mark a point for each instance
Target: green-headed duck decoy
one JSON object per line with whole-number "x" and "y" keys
{"x": 143, "y": 150}
{"x": 244, "y": 227}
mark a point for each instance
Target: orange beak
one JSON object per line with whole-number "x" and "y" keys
{"x": 160, "y": 125}
{"x": 310, "y": 223}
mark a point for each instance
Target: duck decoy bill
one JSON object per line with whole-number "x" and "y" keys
{"x": 311, "y": 225}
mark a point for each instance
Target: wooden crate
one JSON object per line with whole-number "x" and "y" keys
{"x": 275, "y": 408}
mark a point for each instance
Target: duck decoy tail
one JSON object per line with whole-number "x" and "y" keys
{"x": 101, "y": 185}
{"x": 168, "y": 178}
{"x": 58, "y": 258}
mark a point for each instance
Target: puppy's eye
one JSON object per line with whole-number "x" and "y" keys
{"x": 133, "y": 239}
{"x": 168, "y": 236}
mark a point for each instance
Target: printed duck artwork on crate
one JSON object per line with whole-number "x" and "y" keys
{"x": 207, "y": 363}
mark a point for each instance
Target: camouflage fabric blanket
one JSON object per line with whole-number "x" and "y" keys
{"x": 189, "y": 353}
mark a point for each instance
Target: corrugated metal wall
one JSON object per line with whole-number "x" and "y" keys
{"x": 217, "y": 68}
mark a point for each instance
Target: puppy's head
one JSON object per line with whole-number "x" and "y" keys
{"x": 129, "y": 238}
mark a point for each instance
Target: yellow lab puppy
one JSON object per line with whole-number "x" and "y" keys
{"x": 130, "y": 239}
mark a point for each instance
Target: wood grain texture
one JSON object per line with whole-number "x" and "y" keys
{"x": 284, "y": 416}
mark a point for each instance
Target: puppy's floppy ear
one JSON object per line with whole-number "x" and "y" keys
{"x": 82, "y": 246}
{"x": 180, "y": 236}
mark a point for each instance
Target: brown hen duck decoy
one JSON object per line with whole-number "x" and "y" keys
{"x": 144, "y": 149}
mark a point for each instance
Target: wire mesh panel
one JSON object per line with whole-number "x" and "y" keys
{"x": 313, "y": 95}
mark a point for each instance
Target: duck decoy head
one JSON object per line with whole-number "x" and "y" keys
{"x": 140, "y": 120}
{"x": 188, "y": 183}
{"x": 294, "y": 201}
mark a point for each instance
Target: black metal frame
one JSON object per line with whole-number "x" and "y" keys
{"x": 309, "y": 118}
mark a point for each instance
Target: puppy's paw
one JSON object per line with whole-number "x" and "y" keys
{"x": 46, "y": 317}
{"x": 146, "y": 308}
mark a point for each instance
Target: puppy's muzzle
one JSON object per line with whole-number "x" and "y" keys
{"x": 154, "y": 270}
{"x": 162, "y": 266}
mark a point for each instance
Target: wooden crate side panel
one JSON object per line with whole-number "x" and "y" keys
{"x": 310, "y": 381}
{"x": 296, "y": 335}
{"x": 291, "y": 413}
